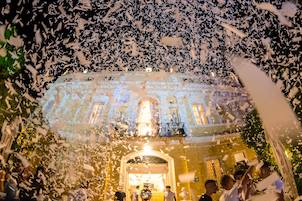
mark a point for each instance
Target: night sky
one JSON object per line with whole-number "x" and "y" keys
{"x": 75, "y": 36}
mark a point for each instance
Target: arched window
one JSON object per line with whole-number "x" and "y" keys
{"x": 147, "y": 122}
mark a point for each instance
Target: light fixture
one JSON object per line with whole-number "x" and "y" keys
{"x": 147, "y": 149}
{"x": 148, "y": 69}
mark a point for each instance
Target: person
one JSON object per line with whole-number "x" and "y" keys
{"x": 276, "y": 186}
{"x": 238, "y": 174}
{"x": 81, "y": 193}
{"x": 120, "y": 195}
{"x": 231, "y": 191}
{"x": 146, "y": 193}
{"x": 169, "y": 195}
{"x": 245, "y": 183}
{"x": 134, "y": 195}
{"x": 2, "y": 176}
{"x": 10, "y": 188}
{"x": 38, "y": 181}
{"x": 266, "y": 171}
{"x": 211, "y": 188}
{"x": 184, "y": 194}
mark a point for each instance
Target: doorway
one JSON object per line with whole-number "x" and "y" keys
{"x": 152, "y": 169}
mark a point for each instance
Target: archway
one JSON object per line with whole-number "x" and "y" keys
{"x": 161, "y": 169}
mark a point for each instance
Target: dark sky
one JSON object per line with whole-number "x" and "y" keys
{"x": 125, "y": 35}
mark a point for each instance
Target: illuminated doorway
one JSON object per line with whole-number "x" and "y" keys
{"x": 155, "y": 181}
{"x": 153, "y": 168}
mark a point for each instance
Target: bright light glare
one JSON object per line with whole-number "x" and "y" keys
{"x": 145, "y": 119}
{"x": 147, "y": 149}
{"x": 156, "y": 179}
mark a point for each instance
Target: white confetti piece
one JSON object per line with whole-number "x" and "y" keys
{"x": 271, "y": 8}
{"x": 88, "y": 167}
{"x": 38, "y": 37}
{"x": 234, "y": 30}
{"x": 171, "y": 41}
{"x": 187, "y": 177}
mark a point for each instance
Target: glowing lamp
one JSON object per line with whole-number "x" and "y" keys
{"x": 147, "y": 149}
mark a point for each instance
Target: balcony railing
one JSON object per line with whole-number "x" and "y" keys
{"x": 172, "y": 129}
{"x": 175, "y": 129}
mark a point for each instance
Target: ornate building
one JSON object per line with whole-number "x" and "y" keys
{"x": 174, "y": 129}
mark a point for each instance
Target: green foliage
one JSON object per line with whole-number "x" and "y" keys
{"x": 14, "y": 60}
{"x": 296, "y": 159}
{"x": 10, "y": 32}
{"x": 253, "y": 135}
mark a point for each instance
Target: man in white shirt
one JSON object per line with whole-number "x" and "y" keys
{"x": 265, "y": 172}
{"x": 271, "y": 183}
{"x": 231, "y": 190}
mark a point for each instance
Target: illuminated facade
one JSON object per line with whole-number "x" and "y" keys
{"x": 171, "y": 124}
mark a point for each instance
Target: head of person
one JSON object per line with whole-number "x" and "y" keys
{"x": 238, "y": 174}
{"x": 137, "y": 187}
{"x": 168, "y": 188}
{"x": 242, "y": 165}
{"x": 211, "y": 186}
{"x": 146, "y": 186}
{"x": 120, "y": 188}
{"x": 227, "y": 182}
{"x": 265, "y": 170}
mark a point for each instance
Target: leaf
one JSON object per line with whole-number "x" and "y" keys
{"x": 7, "y": 34}
{"x": 2, "y": 44}
{"x": 10, "y": 47}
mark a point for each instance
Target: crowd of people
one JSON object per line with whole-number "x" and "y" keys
{"x": 145, "y": 194}
{"x": 243, "y": 186}
{"x": 22, "y": 183}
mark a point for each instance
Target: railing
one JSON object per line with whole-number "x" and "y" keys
{"x": 172, "y": 129}
{"x": 175, "y": 129}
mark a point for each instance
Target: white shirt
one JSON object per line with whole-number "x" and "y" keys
{"x": 230, "y": 195}
{"x": 271, "y": 187}
{"x": 272, "y": 182}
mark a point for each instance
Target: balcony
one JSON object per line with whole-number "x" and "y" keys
{"x": 173, "y": 129}
{"x": 214, "y": 129}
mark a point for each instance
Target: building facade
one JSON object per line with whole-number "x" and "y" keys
{"x": 171, "y": 128}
